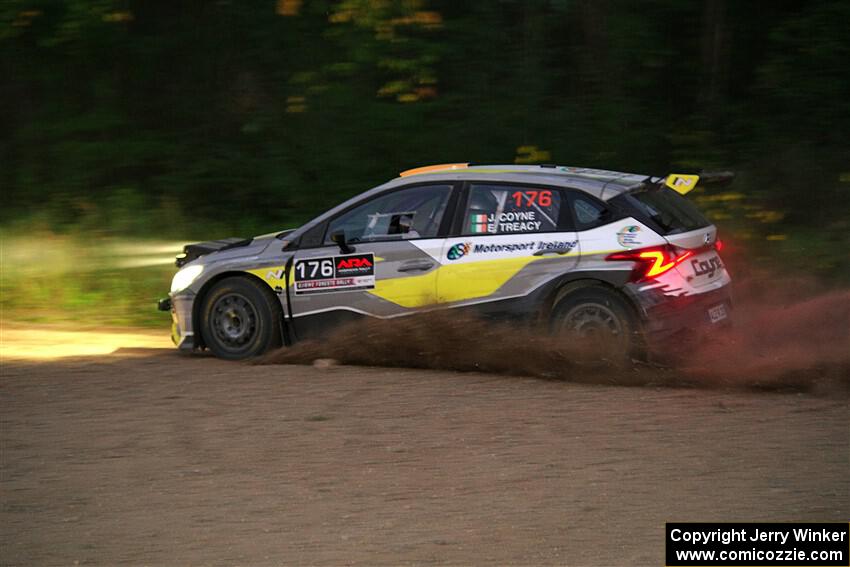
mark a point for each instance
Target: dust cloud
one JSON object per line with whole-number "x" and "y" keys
{"x": 793, "y": 335}
{"x": 787, "y": 334}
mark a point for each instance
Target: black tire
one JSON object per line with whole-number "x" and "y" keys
{"x": 240, "y": 319}
{"x": 600, "y": 318}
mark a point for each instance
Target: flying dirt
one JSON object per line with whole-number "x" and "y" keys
{"x": 782, "y": 339}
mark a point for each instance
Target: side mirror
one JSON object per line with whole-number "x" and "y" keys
{"x": 338, "y": 237}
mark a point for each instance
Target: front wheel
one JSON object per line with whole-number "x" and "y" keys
{"x": 596, "y": 319}
{"x": 240, "y": 319}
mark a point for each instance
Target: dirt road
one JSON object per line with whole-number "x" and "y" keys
{"x": 147, "y": 457}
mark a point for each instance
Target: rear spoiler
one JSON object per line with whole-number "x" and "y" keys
{"x": 718, "y": 178}
{"x": 684, "y": 183}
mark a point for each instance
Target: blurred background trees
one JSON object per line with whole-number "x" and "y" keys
{"x": 210, "y": 118}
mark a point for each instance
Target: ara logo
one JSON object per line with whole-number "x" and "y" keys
{"x": 275, "y": 275}
{"x": 348, "y": 263}
{"x": 354, "y": 266}
{"x": 459, "y": 250}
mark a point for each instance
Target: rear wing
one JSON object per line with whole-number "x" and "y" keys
{"x": 718, "y": 178}
{"x": 684, "y": 183}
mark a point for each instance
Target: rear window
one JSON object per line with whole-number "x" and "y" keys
{"x": 668, "y": 210}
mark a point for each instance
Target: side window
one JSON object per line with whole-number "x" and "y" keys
{"x": 588, "y": 213}
{"x": 502, "y": 209}
{"x": 414, "y": 212}
{"x": 313, "y": 237}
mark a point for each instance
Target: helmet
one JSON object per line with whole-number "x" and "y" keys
{"x": 482, "y": 200}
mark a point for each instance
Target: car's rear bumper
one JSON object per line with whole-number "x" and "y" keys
{"x": 687, "y": 315}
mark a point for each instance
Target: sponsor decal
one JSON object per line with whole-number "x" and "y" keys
{"x": 462, "y": 249}
{"x": 458, "y": 250}
{"x": 335, "y": 273}
{"x": 681, "y": 183}
{"x": 629, "y": 236}
{"x": 561, "y": 246}
{"x": 707, "y": 267}
{"x": 362, "y": 265}
{"x": 508, "y": 247}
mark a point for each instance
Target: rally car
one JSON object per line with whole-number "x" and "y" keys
{"x": 587, "y": 252}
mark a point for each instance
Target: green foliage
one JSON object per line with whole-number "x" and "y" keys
{"x": 84, "y": 280}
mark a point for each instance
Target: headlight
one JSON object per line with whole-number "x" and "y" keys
{"x": 185, "y": 277}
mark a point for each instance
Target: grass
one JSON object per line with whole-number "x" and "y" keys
{"x": 85, "y": 281}
{"x": 88, "y": 263}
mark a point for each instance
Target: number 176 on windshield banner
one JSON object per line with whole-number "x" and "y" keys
{"x": 335, "y": 273}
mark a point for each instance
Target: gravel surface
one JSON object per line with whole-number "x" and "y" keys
{"x": 147, "y": 457}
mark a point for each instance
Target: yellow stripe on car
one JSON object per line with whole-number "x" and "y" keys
{"x": 275, "y": 276}
{"x": 411, "y": 291}
{"x": 458, "y": 282}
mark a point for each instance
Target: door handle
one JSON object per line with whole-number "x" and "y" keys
{"x": 416, "y": 266}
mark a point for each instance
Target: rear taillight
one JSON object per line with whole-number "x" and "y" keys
{"x": 652, "y": 262}
{"x": 718, "y": 245}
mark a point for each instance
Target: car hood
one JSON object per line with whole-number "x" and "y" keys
{"x": 213, "y": 251}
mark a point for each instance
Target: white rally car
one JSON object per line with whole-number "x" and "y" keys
{"x": 625, "y": 257}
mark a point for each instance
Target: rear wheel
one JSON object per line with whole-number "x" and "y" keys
{"x": 240, "y": 319}
{"x": 597, "y": 319}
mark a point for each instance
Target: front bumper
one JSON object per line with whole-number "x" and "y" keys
{"x": 182, "y": 331}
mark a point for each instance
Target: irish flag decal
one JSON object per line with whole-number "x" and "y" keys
{"x": 478, "y": 224}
